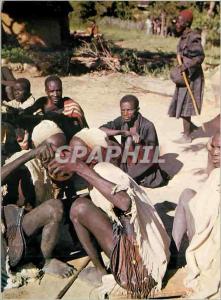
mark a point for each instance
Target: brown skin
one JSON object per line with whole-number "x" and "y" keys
{"x": 53, "y": 90}
{"x": 49, "y": 214}
{"x": 215, "y": 151}
{"x": 98, "y": 225}
{"x": 181, "y": 24}
{"x": 21, "y": 92}
{"x": 128, "y": 114}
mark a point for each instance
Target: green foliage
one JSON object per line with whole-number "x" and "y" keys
{"x": 170, "y": 8}
{"x": 84, "y": 10}
{"x": 46, "y": 61}
{"x": 123, "y": 9}
{"x": 16, "y": 55}
{"x": 210, "y": 24}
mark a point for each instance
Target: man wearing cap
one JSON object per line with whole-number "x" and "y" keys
{"x": 192, "y": 56}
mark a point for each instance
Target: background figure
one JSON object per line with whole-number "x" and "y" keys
{"x": 192, "y": 55}
{"x": 148, "y": 26}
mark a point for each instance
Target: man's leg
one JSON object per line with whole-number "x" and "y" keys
{"x": 48, "y": 216}
{"x": 180, "y": 223}
{"x": 188, "y": 128}
{"x": 89, "y": 220}
{"x": 180, "y": 226}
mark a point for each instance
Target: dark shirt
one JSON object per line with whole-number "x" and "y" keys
{"x": 40, "y": 104}
{"x": 28, "y": 122}
{"x": 147, "y": 174}
{"x": 145, "y": 129}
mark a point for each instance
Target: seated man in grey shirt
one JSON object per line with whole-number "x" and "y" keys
{"x": 139, "y": 143}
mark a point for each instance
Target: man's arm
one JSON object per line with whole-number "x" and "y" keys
{"x": 114, "y": 132}
{"x": 39, "y": 104}
{"x": 12, "y": 166}
{"x": 44, "y": 152}
{"x": 147, "y": 156}
{"x": 194, "y": 54}
{"x": 113, "y": 128}
{"x": 120, "y": 199}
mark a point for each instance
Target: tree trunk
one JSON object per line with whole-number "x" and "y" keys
{"x": 163, "y": 23}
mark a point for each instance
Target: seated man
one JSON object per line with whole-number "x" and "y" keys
{"x": 136, "y": 130}
{"x": 20, "y": 226}
{"x": 54, "y": 102}
{"x": 198, "y": 214}
{"x": 23, "y": 99}
{"x": 127, "y": 227}
{"x": 22, "y": 93}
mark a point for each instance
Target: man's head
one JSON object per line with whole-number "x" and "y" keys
{"x": 215, "y": 150}
{"x": 22, "y": 89}
{"x": 184, "y": 20}
{"x": 129, "y": 106}
{"x": 48, "y": 132}
{"x": 53, "y": 89}
{"x": 86, "y": 141}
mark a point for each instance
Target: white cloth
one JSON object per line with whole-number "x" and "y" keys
{"x": 203, "y": 253}
{"x": 151, "y": 236}
{"x": 16, "y": 104}
{"x": 93, "y": 137}
{"x": 40, "y": 179}
{"x": 43, "y": 131}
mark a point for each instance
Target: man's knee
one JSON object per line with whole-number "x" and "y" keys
{"x": 55, "y": 207}
{"x": 78, "y": 209}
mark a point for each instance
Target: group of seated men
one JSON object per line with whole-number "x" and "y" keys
{"x": 48, "y": 146}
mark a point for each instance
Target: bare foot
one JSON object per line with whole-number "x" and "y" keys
{"x": 92, "y": 276}
{"x": 58, "y": 268}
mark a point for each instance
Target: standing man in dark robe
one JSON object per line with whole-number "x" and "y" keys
{"x": 192, "y": 56}
{"x": 135, "y": 130}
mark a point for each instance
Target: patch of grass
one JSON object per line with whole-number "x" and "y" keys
{"x": 212, "y": 55}
{"x": 16, "y": 55}
{"x": 138, "y": 40}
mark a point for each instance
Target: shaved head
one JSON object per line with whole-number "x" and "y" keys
{"x": 52, "y": 78}
{"x": 131, "y": 99}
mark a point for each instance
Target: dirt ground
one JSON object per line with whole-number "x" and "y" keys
{"x": 99, "y": 97}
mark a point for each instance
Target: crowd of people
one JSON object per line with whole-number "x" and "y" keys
{"x": 48, "y": 147}
{"x": 156, "y": 26}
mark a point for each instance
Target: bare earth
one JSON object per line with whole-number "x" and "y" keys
{"x": 99, "y": 97}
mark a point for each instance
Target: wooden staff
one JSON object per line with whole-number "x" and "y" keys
{"x": 189, "y": 89}
{"x": 72, "y": 280}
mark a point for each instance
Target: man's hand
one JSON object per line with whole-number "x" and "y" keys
{"x": 125, "y": 133}
{"x": 45, "y": 152}
{"x": 57, "y": 168}
{"x": 182, "y": 68}
{"x": 136, "y": 138}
